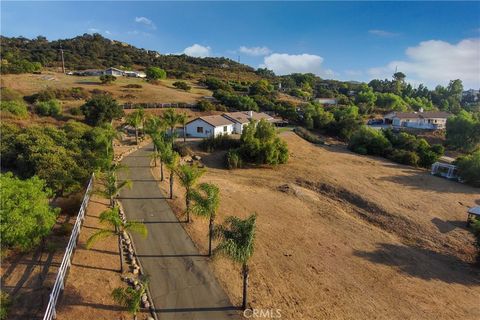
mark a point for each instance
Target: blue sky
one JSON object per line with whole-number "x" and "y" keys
{"x": 432, "y": 42}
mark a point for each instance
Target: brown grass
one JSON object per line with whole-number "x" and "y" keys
{"x": 342, "y": 236}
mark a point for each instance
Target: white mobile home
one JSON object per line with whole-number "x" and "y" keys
{"x": 114, "y": 72}
{"x": 431, "y": 120}
{"x": 204, "y": 127}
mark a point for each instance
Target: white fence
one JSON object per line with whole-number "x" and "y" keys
{"x": 59, "y": 285}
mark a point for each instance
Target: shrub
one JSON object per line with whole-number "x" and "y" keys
{"x": 17, "y": 108}
{"x": 8, "y": 94}
{"x": 75, "y": 111}
{"x": 220, "y": 142}
{"x": 205, "y": 105}
{"x": 4, "y": 305}
{"x": 307, "y": 135}
{"x": 101, "y": 109}
{"x": 65, "y": 229}
{"x": 156, "y": 73}
{"x": 233, "y": 159}
{"x": 48, "y": 108}
{"x": 404, "y": 157}
{"x": 469, "y": 168}
{"x": 369, "y": 141}
{"x": 133, "y": 86}
{"x": 217, "y": 84}
{"x": 107, "y": 78}
{"x": 25, "y": 213}
{"x": 182, "y": 149}
{"x": 182, "y": 85}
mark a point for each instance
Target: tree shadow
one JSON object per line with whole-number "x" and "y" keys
{"x": 199, "y": 309}
{"x": 449, "y": 225}
{"x": 424, "y": 264}
{"x": 94, "y": 268}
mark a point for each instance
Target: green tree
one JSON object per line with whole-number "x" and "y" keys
{"x": 170, "y": 158}
{"x": 107, "y": 78}
{"x": 136, "y": 120}
{"x": 101, "y": 109}
{"x": 48, "y": 108}
{"x": 156, "y": 73}
{"x": 17, "y": 108}
{"x": 25, "y": 214}
{"x": 172, "y": 119}
{"x": 469, "y": 168}
{"x": 206, "y": 200}
{"x": 261, "y": 87}
{"x": 188, "y": 176}
{"x": 116, "y": 226}
{"x": 463, "y": 131}
{"x": 237, "y": 242}
{"x": 182, "y": 85}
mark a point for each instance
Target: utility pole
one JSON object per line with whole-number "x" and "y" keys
{"x": 63, "y": 61}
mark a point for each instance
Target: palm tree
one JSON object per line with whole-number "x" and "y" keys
{"x": 103, "y": 137}
{"x": 237, "y": 243}
{"x": 130, "y": 298}
{"x": 111, "y": 217}
{"x": 111, "y": 187}
{"x": 182, "y": 119}
{"x": 206, "y": 201}
{"x": 163, "y": 148}
{"x": 188, "y": 176}
{"x": 171, "y": 118}
{"x": 136, "y": 119}
{"x": 170, "y": 157}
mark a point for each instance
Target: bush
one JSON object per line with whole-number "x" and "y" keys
{"x": 404, "y": 157}
{"x": 65, "y": 229}
{"x": 17, "y": 108}
{"x": 307, "y": 135}
{"x": 469, "y": 168}
{"x": 182, "y": 149}
{"x": 48, "y": 108}
{"x": 107, "y": 78}
{"x": 220, "y": 142}
{"x": 101, "y": 109}
{"x": 182, "y": 85}
{"x": 369, "y": 141}
{"x": 8, "y": 94}
{"x": 4, "y": 305}
{"x": 133, "y": 86}
{"x": 205, "y": 105}
{"x": 25, "y": 213}
{"x": 217, "y": 84}
{"x": 74, "y": 93}
{"x": 156, "y": 73}
{"x": 75, "y": 111}
{"x": 233, "y": 159}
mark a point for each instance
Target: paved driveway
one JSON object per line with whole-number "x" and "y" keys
{"x": 181, "y": 282}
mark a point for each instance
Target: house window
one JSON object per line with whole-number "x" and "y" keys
{"x": 199, "y": 129}
{"x": 225, "y": 128}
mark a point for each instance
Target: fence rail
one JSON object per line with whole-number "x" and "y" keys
{"x": 59, "y": 285}
{"x": 154, "y": 105}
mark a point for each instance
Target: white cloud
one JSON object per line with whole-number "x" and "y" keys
{"x": 282, "y": 63}
{"x": 108, "y": 32}
{"x": 145, "y": 21}
{"x": 198, "y": 50}
{"x": 383, "y": 33}
{"x": 436, "y": 62}
{"x": 353, "y": 73}
{"x": 255, "y": 51}
{"x": 93, "y": 30}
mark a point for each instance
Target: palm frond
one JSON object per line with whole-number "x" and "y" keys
{"x": 111, "y": 217}
{"x": 137, "y": 227}
{"x": 206, "y": 200}
{"x": 99, "y": 235}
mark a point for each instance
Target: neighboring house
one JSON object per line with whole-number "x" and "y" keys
{"x": 114, "y": 72}
{"x": 227, "y": 123}
{"x": 242, "y": 118}
{"x": 88, "y": 72}
{"x": 419, "y": 120}
{"x": 327, "y": 101}
{"x": 135, "y": 74}
{"x": 207, "y": 126}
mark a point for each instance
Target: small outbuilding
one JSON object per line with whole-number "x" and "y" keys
{"x": 473, "y": 213}
{"x": 445, "y": 170}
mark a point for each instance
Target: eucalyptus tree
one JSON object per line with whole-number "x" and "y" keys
{"x": 136, "y": 119}
{"x": 188, "y": 176}
{"x": 116, "y": 226}
{"x": 237, "y": 242}
{"x": 206, "y": 200}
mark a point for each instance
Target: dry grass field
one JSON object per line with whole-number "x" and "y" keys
{"x": 343, "y": 236}
{"x": 164, "y": 92}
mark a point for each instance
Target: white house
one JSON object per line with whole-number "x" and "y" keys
{"x": 242, "y": 118}
{"x": 327, "y": 101}
{"x": 114, "y": 72}
{"x": 227, "y": 123}
{"x": 420, "y": 120}
{"x": 204, "y": 127}
{"x": 134, "y": 74}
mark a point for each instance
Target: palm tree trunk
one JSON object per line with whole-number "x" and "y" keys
{"x": 187, "y": 203}
{"x": 136, "y": 135}
{"x": 161, "y": 170}
{"x": 210, "y": 233}
{"x": 171, "y": 184}
{"x": 245, "y": 285}
{"x": 112, "y": 201}
{"x": 184, "y": 135}
{"x": 120, "y": 249}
